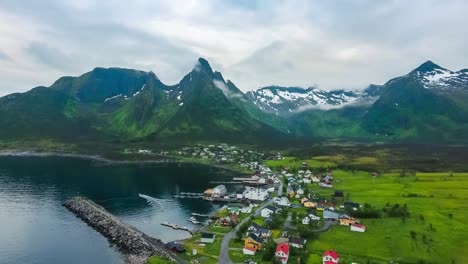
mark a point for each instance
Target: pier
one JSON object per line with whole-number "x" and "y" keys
{"x": 134, "y": 245}
{"x": 176, "y": 227}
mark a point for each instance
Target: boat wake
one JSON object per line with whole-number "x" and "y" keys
{"x": 161, "y": 203}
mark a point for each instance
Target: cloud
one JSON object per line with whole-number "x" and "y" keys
{"x": 4, "y": 56}
{"x": 334, "y": 44}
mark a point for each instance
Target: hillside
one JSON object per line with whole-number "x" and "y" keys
{"x": 121, "y": 105}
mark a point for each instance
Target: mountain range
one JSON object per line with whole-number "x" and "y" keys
{"x": 115, "y": 104}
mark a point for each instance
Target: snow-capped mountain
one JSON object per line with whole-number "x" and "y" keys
{"x": 289, "y": 100}
{"x": 432, "y": 76}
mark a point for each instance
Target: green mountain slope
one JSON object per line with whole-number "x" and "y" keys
{"x": 210, "y": 111}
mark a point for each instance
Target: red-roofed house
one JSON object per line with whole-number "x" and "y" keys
{"x": 330, "y": 257}
{"x": 282, "y": 252}
{"x": 358, "y": 228}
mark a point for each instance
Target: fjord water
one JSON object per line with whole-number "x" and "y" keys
{"x": 36, "y": 228}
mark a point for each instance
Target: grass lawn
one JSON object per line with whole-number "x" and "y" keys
{"x": 207, "y": 254}
{"x": 237, "y": 256}
{"x": 295, "y": 164}
{"x": 218, "y": 229}
{"x": 158, "y": 260}
{"x": 433, "y": 199}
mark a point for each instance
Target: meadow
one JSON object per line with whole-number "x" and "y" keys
{"x": 435, "y": 232}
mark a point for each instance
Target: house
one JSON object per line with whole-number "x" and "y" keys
{"x": 234, "y": 219}
{"x": 259, "y": 231}
{"x": 219, "y": 191}
{"x": 240, "y": 193}
{"x": 284, "y": 201}
{"x": 300, "y": 191}
{"x": 330, "y": 257}
{"x": 353, "y": 205}
{"x": 314, "y": 217}
{"x": 305, "y": 220}
{"x": 306, "y": 180}
{"x": 291, "y": 194}
{"x": 256, "y": 194}
{"x": 315, "y": 179}
{"x": 325, "y": 185}
{"x": 282, "y": 252}
{"x": 347, "y": 220}
{"x": 225, "y": 221}
{"x": 338, "y": 194}
{"x": 330, "y": 215}
{"x": 358, "y": 228}
{"x": 247, "y": 209}
{"x": 207, "y": 238}
{"x": 253, "y": 241}
{"x": 175, "y": 247}
{"x": 309, "y": 204}
{"x": 234, "y": 210}
{"x": 268, "y": 211}
{"x": 297, "y": 242}
{"x": 304, "y": 199}
{"x": 249, "y": 251}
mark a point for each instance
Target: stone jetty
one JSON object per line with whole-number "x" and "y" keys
{"x": 134, "y": 245}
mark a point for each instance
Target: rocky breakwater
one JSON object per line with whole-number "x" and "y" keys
{"x": 134, "y": 245}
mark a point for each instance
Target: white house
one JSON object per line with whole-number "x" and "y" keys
{"x": 247, "y": 209}
{"x": 219, "y": 191}
{"x": 315, "y": 179}
{"x": 306, "y": 180}
{"x": 268, "y": 211}
{"x": 256, "y": 194}
{"x": 358, "y": 228}
{"x": 284, "y": 201}
{"x": 207, "y": 238}
{"x": 300, "y": 191}
{"x": 305, "y": 220}
{"x": 314, "y": 217}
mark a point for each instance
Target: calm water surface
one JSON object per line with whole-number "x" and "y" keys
{"x": 36, "y": 228}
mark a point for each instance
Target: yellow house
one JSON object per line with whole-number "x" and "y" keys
{"x": 303, "y": 200}
{"x": 253, "y": 241}
{"x": 291, "y": 194}
{"x": 310, "y": 204}
{"x": 348, "y": 221}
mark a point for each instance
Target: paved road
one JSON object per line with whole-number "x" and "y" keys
{"x": 224, "y": 254}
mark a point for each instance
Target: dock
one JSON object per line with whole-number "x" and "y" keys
{"x": 134, "y": 245}
{"x": 176, "y": 227}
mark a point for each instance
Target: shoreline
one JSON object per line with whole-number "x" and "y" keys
{"x": 100, "y": 158}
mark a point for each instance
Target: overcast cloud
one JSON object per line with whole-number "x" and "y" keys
{"x": 330, "y": 44}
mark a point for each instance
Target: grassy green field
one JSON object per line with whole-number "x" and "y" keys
{"x": 433, "y": 199}
{"x": 207, "y": 254}
{"x": 294, "y": 164}
{"x": 158, "y": 260}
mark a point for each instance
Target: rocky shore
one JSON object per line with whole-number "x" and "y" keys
{"x": 135, "y": 246}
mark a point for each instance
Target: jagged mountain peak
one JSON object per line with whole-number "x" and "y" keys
{"x": 428, "y": 66}
{"x": 203, "y": 65}
{"x": 433, "y": 76}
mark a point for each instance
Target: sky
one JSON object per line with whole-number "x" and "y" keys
{"x": 327, "y": 44}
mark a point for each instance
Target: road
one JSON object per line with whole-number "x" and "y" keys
{"x": 224, "y": 254}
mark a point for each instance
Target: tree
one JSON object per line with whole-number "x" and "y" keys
{"x": 269, "y": 250}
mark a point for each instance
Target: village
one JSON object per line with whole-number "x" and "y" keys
{"x": 271, "y": 215}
